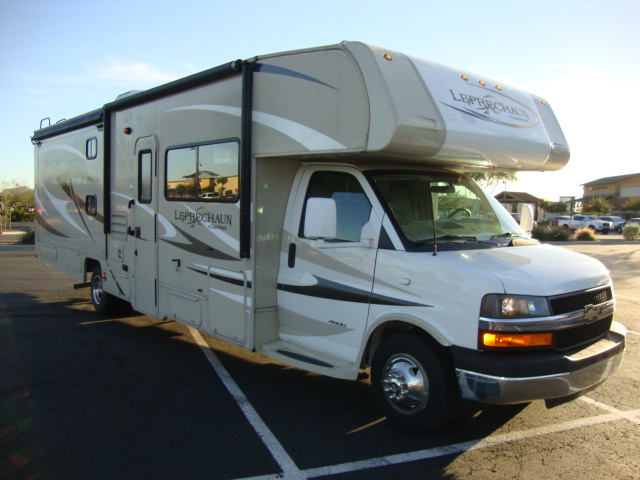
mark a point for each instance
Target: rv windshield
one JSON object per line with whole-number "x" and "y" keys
{"x": 451, "y": 207}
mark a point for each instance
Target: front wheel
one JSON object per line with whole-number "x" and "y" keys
{"x": 414, "y": 383}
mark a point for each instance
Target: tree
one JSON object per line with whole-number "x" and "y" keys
{"x": 632, "y": 205}
{"x": 16, "y": 195}
{"x": 221, "y": 181}
{"x": 17, "y": 201}
{"x": 599, "y": 206}
{"x": 493, "y": 179}
{"x": 544, "y": 204}
{"x": 557, "y": 207}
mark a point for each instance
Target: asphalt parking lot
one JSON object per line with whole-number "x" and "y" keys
{"x": 127, "y": 397}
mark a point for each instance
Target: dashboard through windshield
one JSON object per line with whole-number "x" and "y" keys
{"x": 443, "y": 207}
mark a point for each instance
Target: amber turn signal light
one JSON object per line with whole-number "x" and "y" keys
{"x": 517, "y": 339}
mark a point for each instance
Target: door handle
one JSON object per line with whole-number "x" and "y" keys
{"x": 291, "y": 260}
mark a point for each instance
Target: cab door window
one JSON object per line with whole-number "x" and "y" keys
{"x": 353, "y": 208}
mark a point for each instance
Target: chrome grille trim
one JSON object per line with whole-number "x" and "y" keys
{"x": 546, "y": 324}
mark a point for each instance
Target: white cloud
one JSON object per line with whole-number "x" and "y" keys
{"x": 121, "y": 73}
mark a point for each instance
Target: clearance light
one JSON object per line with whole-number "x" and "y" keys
{"x": 544, "y": 102}
{"x": 387, "y": 57}
{"x": 481, "y": 82}
{"x": 517, "y": 340}
{"x": 464, "y": 77}
{"x": 498, "y": 87}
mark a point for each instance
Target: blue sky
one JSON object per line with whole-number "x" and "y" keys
{"x": 62, "y": 58}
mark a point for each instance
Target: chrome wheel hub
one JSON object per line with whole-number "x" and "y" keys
{"x": 405, "y": 384}
{"x": 96, "y": 290}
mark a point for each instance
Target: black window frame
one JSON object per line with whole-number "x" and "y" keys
{"x": 91, "y": 153}
{"x": 141, "y": 171}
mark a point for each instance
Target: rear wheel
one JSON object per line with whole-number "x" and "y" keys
{"x": 414, "y": 383}
{"x": 103, "y": 302}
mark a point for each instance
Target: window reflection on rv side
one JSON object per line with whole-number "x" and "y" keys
{"x": 207, "y": 172}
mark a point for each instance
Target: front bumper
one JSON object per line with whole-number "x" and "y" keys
{"x": 521, "y": 377}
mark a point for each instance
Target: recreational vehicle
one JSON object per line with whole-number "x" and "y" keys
{"x": 312, "y": 205}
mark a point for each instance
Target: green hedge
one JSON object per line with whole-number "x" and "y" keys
{"x": 546, "y": 233}
{"x": 631, "y": 232}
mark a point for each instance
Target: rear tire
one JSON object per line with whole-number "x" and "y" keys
{"x": 414, "y": 383}
{"x": 103, "y": 302}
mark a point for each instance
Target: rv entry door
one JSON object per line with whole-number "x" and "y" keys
{"x": 143, "y": 221}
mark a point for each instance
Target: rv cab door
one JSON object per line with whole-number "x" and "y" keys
{"x": 327, "y": 263}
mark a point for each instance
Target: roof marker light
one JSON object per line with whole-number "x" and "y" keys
{"x": 464, "y": 77}
{"x": 387, "y": 57}
{"x": 498, "y": 87}
{"x": 481, "y": 82}
{"x": 544, "y": 102}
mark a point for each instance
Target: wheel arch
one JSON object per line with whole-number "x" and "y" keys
{"x": 401, "y": 322}
{"x": 89, "y": 265}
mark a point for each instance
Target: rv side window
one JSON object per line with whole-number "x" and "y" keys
{"x": 92, "y": 148}
{"x": 353, "y": 208}
{"x": 203, "y": 172}
{"x": 91, "y": 205}
{"x": 145, "y": 176}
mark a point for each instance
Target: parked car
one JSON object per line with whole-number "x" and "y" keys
{"x": 613, "y": 220}
{"x": 585, "y": 221}
{"x": 624, "y": 224}
{"x": 557, "y": 221}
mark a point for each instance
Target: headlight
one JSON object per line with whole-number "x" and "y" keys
{"x": 513, "y": 306}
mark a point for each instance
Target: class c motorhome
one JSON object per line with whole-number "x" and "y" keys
{"x": 312, "y": 205}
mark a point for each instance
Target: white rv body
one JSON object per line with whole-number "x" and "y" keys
{"x": 256, "y": 201}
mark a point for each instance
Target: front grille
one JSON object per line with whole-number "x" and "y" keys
{"x": 577, "y": 301}
{"x": 583, "y": 334}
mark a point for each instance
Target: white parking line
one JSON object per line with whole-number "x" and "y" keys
{"x": 271, "y": 442}
{"x": 291, "y": 471}
{"x": 631, "y": 416}
{"x": 628, "y": 298}
{"x": 463, "y": 447}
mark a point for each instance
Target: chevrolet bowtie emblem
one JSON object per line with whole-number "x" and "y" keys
{"x": 591, "y": 313}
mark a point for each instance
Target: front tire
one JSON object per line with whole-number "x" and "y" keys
{"x": 414, "y": 383}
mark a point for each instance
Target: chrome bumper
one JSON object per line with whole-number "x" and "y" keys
{"x": 602, "y": 359}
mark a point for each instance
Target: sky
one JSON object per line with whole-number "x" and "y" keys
{"x": 63, "y": 58}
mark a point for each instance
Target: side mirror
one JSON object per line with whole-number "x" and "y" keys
{"x": 526, "y": 219}
{"x": 320, "y": 219}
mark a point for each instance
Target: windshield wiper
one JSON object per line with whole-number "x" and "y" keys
{"x": 449, "y": 237}
{"x": 506, "y": 235}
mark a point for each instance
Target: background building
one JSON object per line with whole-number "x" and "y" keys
{"x": 619, "y": 189}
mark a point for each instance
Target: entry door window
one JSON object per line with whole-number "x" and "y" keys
{"x": 145, "y": 176}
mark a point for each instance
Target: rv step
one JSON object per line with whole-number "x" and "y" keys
{"x": 311, "y": 360}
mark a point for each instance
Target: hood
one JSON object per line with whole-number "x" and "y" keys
{"x": 542, "y": 270}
